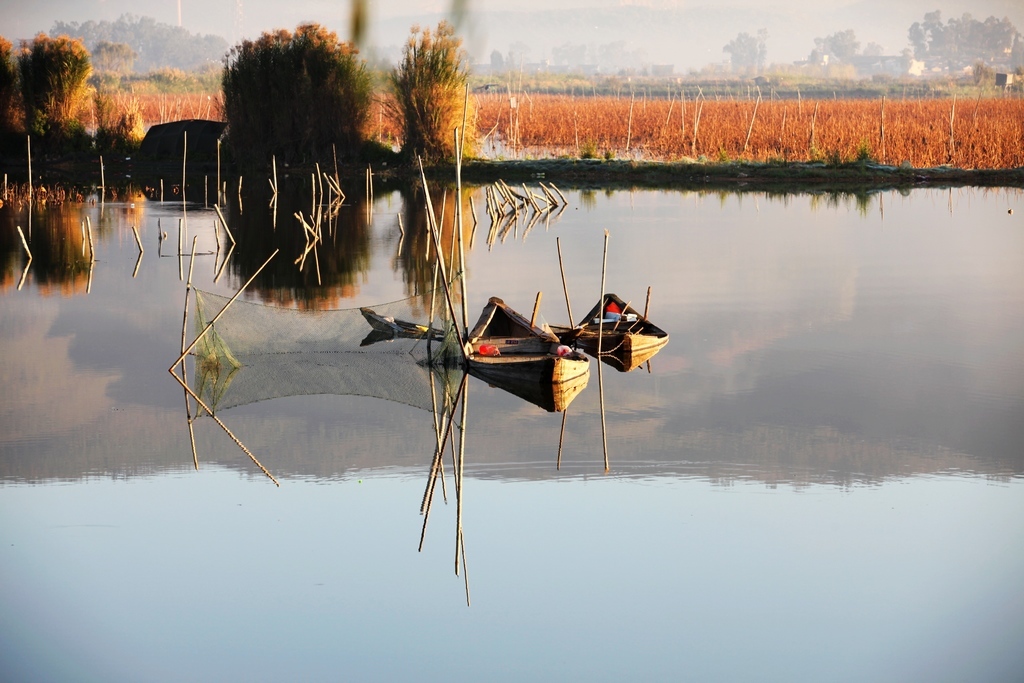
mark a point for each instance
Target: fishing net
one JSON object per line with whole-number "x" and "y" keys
{"x": 390, "y": 351}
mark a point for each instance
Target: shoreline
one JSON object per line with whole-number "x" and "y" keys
{"x": 571, "y": 173}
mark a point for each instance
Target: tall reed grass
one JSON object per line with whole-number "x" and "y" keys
{"x": 978, "y": 133}
{"x": 428, "y": 88}
{"x": 54, "y": 85}
{"x": 295, "y": 95}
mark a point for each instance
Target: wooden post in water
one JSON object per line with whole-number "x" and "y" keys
{"x": 647, "y": 305}
{"x": 184, "y": 157}
{"x": 565, "y": 287}
{"x": 536, "y": 308}
{"x": 600, "y": 334}
{"x": 29, "y": 138}
{"x": 103, "y": 182}
{"x": 218, "y": 173}
{"x": 24, "y": 243}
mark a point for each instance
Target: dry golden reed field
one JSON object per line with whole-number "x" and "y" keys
{"x": 976, "y": 133}
{"x": 964, "y": 133}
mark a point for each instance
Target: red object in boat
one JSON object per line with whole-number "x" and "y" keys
{"x": 489, "y": 350}
{"x": 612, "y": 307}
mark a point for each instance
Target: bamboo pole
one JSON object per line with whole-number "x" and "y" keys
{"x": 565, "y": 286}
{"x": 561, "y": 435}
{"x": 432, "y": 224}
{"x": 218, "y": 173}
{"x": 559, "y": 192}
{"x": 459, "y": 142}
{"x": 29, "y": 139}
{"x": 88, "y": 232}
{"x": 647, "y": 305}
{"x": 24, "y": 274}
{"x": 600, "y": 335}
{"x": 223, "y": 426}
{"x": 536, "y": 308}
{"x": 217, "y": 317}
{"x": 103, "y": 182}
{"x": 184, "y": 156}
{"x": 138, "y": 240}
{"x": 225, "y": 224}
{"x": 750, "y": 128}
{"x": 24, "y": 243}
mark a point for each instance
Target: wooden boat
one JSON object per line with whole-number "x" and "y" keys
{"x": 629, "y": 339}
{"x": 504, "y": 349}
{"x": 386, "y": 328}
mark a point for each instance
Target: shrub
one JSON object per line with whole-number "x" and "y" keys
{"x": 10, "y": 114}
{"x": 294, "y": 96}
{"x": 429, "y": 89}
{"x": 119, "y": 126}
{"x": 54, "y": 74}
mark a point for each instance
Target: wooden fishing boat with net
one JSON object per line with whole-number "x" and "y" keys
{"x": 506, "y": 350}
{"x": 627, "y": 338}
{"x": 386, "y": 328}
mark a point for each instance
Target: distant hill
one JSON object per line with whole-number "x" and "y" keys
{"x": 157, "y": 45}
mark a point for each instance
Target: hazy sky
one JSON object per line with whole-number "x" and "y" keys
{"x": 691, "y": 36}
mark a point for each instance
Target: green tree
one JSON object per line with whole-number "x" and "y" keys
{"x": 113, "y": 57}
{"x": 963, "y": 39}
{"x": 841, "y": 45}
{"x": 428, "y": 87}
{"x": 54, "y": 74}
{"x": 747, "y": 52}
{"x": 157, "y": 45}
{"x": 295, "y": 96}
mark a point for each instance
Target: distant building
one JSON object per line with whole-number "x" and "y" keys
{"x": 1004, "y": 80}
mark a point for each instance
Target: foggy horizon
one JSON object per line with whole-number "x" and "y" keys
{"x": 686, "y": 35}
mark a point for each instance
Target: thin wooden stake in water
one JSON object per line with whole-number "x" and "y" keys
{"x": 600, "y": 334}
{"x": 565, "y": 287}
{"x": 225, "y": 224}
{"x": 647, "y": 305}
{"x": 24, "y": 243}
{"x": 218, "y": 174}
{"x": 138, "y": 240}
{"x": 561, "y": 435}
{"x": 536, "y": 308}
{"x": 103, "y": 182}
{"x": 92, "y": 246}
{"x": 184, "y": 156}
{"x": 217, "y": 317}
{"x": 29, "y": 138}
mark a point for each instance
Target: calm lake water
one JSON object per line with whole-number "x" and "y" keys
{"x": 820, "y": 477}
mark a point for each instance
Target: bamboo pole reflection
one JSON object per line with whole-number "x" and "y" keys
{"x": 184, "y": 383}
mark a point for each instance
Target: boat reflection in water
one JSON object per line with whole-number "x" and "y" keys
{"x": 616, "y": 333}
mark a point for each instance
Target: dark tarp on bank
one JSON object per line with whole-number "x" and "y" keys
{"x": 166, "y": 140}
